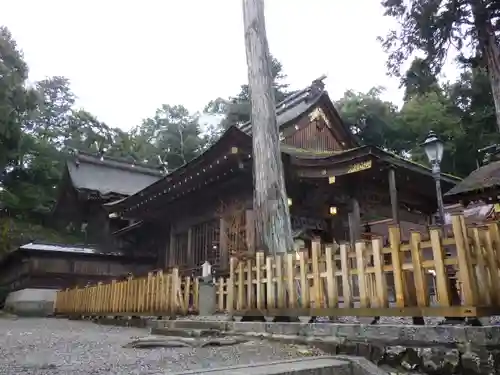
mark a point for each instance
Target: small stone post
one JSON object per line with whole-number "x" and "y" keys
{"x": 207, "y": 297}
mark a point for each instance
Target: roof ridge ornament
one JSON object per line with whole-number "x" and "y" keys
{"x": 318, "y": 82}
{"x": 101, "y": 153}
{"x": 491, "y": 153}
{"x": 162, "y": 165}
{"x": 317, "y": 87}
{"x": 76, "y": 155}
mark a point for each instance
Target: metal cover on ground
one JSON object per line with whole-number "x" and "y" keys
{"x": 309, "y": 366}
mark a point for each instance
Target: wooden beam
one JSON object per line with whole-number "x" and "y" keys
{"x": 223, "y": 245}
{"x": 189, "y": 249}
{"x": 171, "y": 248}
{"x": 272, "y": 216}
{"x": 386, "y": 212}
{"x": 162, "y": 207}
{"x": 355, "y": 221}
{"x": 250, "y": 230}
{"x": 393, "y": 193}
{"x": 358, "y": 166}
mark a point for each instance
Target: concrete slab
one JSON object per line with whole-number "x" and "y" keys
{"x": 302, "y": 366}
{"x": 31, "y": 302}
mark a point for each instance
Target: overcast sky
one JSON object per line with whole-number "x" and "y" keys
{"x": 125, "y": 59}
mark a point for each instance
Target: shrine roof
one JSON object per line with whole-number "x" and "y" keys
{"x": 483, "y": 179}
{"x": 235, "y": 147}
{"x": 300, "y": 103}
{"x": 316, "y": 158}
{"x": 109, "y": 175}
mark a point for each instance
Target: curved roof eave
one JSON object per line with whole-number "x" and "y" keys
{"x": 233, "y": 133}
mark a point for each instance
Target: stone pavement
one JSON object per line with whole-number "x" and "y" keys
{"x": 304, "y": 366}
{"x": 406, "y": 335}
{"x": 430, "y": 349}
{"x": 44, "y": 346}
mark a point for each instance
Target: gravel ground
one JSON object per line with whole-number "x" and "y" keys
{"x": 59, "y": 346}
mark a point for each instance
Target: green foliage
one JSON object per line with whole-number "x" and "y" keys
{"x": 462, "y": 113}
{"x": 427, "y": 112}
{"x": 5, "y": 238}
{"x": 237, "y": 110}
{"x": 419, "y": 80}
{"x": 173, "y": 135}
{"x": 371, "y": 118}
{"x": 16, "y": 232}
{"x": 15, "y": 100}
{"x": 433, "y": 27}
{"x": 40, "y": 126}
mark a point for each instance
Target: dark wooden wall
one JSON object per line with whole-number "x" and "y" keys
{"x": 195, "y": 229}
{"x": 312, "y": 132}
{"x": 59, "y": 270}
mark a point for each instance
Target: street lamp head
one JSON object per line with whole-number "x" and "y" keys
{"x": 433, "y": 147}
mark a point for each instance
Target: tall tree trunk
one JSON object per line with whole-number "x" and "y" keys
{"x": 272, "y": 216}
{"x": 490, "y": 49}
{"x": 492, "y": 52}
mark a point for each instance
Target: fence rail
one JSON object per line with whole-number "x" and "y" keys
{"x": 156, "y": 294}
{"x": 433, "y": 276}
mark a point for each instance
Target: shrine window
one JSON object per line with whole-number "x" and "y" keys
{"x": 181, "y": 249}
{"x": 205, "y": 242}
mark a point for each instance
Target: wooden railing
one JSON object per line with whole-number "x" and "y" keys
{"x": 454, "y": 275}
{"x": 156, "y": 294}
{"x": 372, "y": 280}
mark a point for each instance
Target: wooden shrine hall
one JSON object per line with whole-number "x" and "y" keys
{"x": 203, "y": 210}
{"x": 89, "y": 181}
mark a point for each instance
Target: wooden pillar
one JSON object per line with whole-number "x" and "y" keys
{"x": 354, "y": 221}
{"x": 171, "y": 248}
{"x": 250, "y": 230}
{"x": 223, "y": 245}
{"x": 393, "y": 193}
{"x": 190, "y": 255}
{"x": 166, "y": 253}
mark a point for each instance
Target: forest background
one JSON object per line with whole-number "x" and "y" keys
{"x": 40, "y": 124}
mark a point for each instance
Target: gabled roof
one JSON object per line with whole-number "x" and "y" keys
{"x": 301, "y": 103}
{"x": 190, "y": 177}
{"x": 232, "y": 137}
{"x": 109, "y": 175}
{"x": 485, "y": 178}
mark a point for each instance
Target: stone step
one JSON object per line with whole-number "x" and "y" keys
{"x": 184, "y": 332}
{"x": 190, "y": 324}
{"x": 301, "y": 366}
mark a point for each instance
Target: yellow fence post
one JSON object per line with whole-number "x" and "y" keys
{"x": 464, "y": 262}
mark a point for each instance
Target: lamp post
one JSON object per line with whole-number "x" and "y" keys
{"x": 434, "y": 147}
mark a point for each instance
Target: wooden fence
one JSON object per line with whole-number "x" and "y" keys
{"x": 455, "y": 275}
{"x": 156, "y": 294}
{"x": 437, "y": 275}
